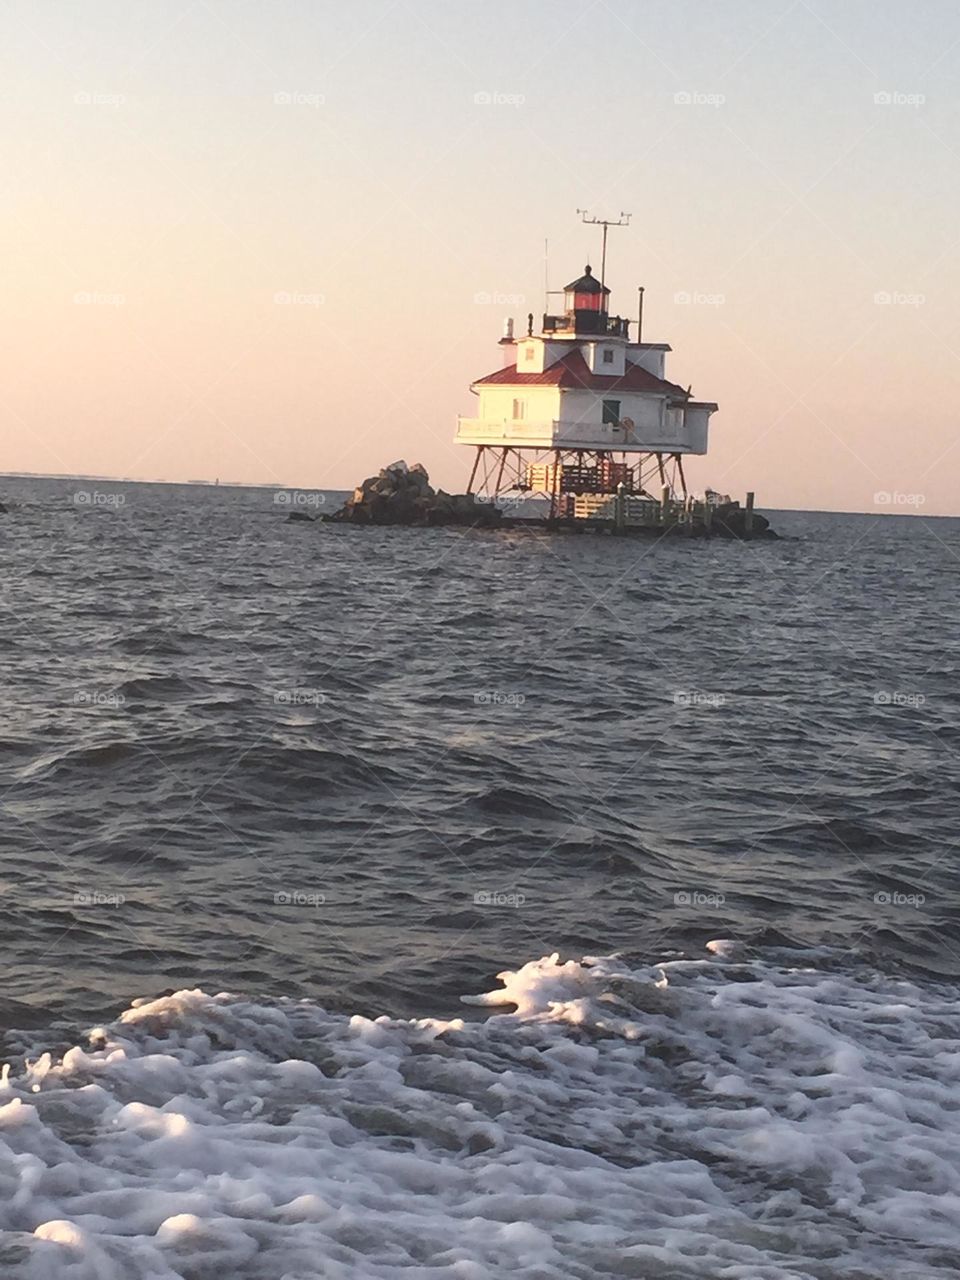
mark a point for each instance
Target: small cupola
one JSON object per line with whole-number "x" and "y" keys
{"x": 585, "y": 294}
{"x": 586, "y": 311}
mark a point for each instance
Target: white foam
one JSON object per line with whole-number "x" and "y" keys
{"x": 716, "y": 1118}
{"x": 724, "y": 947}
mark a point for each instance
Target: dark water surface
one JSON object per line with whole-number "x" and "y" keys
{"x": 254, "y": 755}
{"x": 343, "y": 773}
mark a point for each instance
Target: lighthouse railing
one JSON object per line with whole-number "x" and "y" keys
{"x": 671, "y": 436}
{"x": 505, "y": 430}
{"x": 570, "y": 431}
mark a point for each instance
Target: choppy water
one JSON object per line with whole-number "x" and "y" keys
{"x": 372, "y": 769}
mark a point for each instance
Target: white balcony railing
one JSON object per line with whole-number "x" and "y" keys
{"x": 485, "y": 430}
{"x": 671, "y": 433}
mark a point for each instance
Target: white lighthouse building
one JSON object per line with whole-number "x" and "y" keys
{"x": 581, "y": 412}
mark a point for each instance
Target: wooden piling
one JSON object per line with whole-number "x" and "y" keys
{"x": 748, "y": 515}
{"x": 620, "y": 508}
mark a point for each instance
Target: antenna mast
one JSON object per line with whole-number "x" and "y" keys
{"x": 623, "y": 221}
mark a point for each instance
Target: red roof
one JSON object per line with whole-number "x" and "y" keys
{"x": 573, "y": 371}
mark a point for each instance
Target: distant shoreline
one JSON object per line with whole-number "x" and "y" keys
{"x": 193, "y": 484}
{"x": 311, "y": 488}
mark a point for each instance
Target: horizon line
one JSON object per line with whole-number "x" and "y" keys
{"x": 276, "y": 485}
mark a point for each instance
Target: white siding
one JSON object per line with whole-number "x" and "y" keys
{"x": 653, "y": 361}
{"x": 593, "y": 353}
{"x": 587, "y": 407}
{"x": 698, "y": 423}
{"x": 496, "y": 403}
{"x": 533, "y": 355}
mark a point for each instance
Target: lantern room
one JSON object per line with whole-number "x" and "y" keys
{"x": 585, "y": 311}
{"x": 585, "y": 294}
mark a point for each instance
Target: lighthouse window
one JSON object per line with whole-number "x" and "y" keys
{"x": 607, "y": 356}
{"x": 611, "y": 412}
{"x": 528, "y": 353}
{"x": 519, "y": 410}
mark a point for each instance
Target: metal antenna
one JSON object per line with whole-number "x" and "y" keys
{"x": 623, "y": 221}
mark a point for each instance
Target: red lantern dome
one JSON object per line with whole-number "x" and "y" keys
{"x": 585, "y": 294}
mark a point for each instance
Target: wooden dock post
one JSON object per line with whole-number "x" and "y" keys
{"x": 748, "y": 515}
{"x": 664, "y": 504}
{"x": 620, "y": 508}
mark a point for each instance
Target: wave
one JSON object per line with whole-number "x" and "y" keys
{"x": 504, "y": 801}
{"x": 270, "y": 768}
{"x": 753, "y": 1116}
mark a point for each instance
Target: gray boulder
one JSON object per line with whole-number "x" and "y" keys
{"x": 402, "y": 494}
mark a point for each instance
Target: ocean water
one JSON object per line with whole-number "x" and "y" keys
{"x": 427, "y": 903}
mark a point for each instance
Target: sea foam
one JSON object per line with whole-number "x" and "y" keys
{"x": 748, "y": 1118}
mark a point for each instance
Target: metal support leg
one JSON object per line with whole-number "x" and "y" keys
{"x": 503, "y": 463}
{"x": 683, "y": 478}
{"x": 476, "y": 463}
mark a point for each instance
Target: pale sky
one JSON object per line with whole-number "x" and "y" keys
{"x": 174, "y": 170}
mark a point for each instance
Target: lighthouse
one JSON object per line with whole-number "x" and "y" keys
{"x": 582, "y": 414}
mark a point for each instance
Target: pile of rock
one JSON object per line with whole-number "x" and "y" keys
{"x": 730, "y": 520}
{"x": 404, "y": 495}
